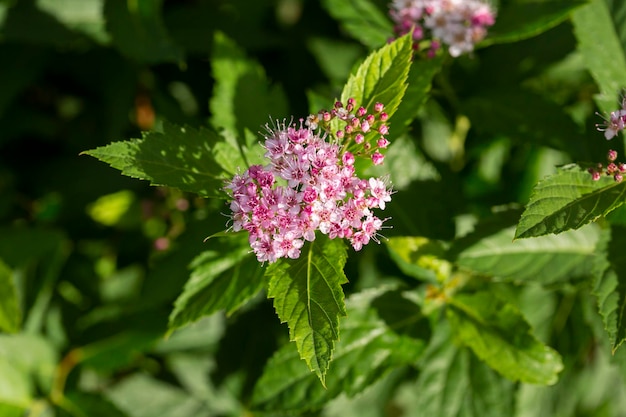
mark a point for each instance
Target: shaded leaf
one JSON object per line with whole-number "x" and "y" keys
{"x": 567, "y": 200}
{"x": 79, "y": 404}
{"x": 525, "y": 117}
{"x": 223, "y": 278}
{"x": 593, "y": 24}
{"x": 10, "y": 313}
{"x": 610, "y": 284}
{"x": 420, "y": 80}
{"x": 138, "y": 32}
{"x": 499, "y": 335}
{"x": 243, "y": 99}
{"x": 179, "y": 157}
{"x": 435, "y": 220}
{"x": 308, "y": 296}
{"x": 522, "y": 20}
{"x": 372, "y": 343}
{"x": 544, "y": 259}
{"x": 362, "y": 20}
{"x": 452, "y": 383}
{"x": 26, "y": 23}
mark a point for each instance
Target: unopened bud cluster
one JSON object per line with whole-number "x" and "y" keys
{"x": 309, "y": 184}
{"x": 459, "y": 24}
{"x": 615, "y": 169}
{"x": 367, "y": 130}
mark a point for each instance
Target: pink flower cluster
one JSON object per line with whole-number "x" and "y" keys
{"x": 614, "y": 169}
{"x": 615, "y": 123}
{"x": 308, "y": 184}
{"x": 460, "y": 24}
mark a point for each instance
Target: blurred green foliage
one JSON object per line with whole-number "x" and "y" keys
{"x": 92, "y": 262}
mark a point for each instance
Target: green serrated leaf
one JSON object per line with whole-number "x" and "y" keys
{"x": 567, "y": 200}
{"x": 521, "y": 20}
{"x": 179, "y": 157}
{"x": 610, "y": 284}
{"x": 545, "y": 259}
{"x": 138, "y": 31}
{"x": 453, "y": 383}
{"x": 10, "y": 313}
{"x": 223, "y": 278}
{"x": 381, "y": 77}
{"x": 362, "y": 19}
{"x": 370, "y": 346}
{"x": 499, "y": 335}
{"x": 593, "y": 25}
{"x": 243, "y": 98}
{"x": 308, "y": 296}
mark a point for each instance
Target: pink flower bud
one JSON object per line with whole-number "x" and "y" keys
{"x": 612, "y": 155}
{"x": 365, "y": 126}
{"x": 359, "y": 138}
{"x": 377, "y": 158}
{"x": 383, "y": 129}
{"x": 384, "y": 117}
{"x": 378, "y": 107}
{"x": 382, "y": 143}
{"x": 361, "y": 111}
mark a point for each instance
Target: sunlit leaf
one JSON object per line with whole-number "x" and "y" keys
{"x": 371, "y": 344}
{"x": 544, "y": 259}
{"x": 84, "y": 16}
{"x": 499, "y": 335}
{"x": 593, "y": 24}
{"x": 223, "y": 278}
{"x": 567, "y": 200}
{"x": 381, "y": 77}
{"x": 27, "y": 363}
{"x": 10, "y": 313}
{"x": 419, "y": 257}
{"x": 179, "y": 157}
{"x": 308, "y": 296}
